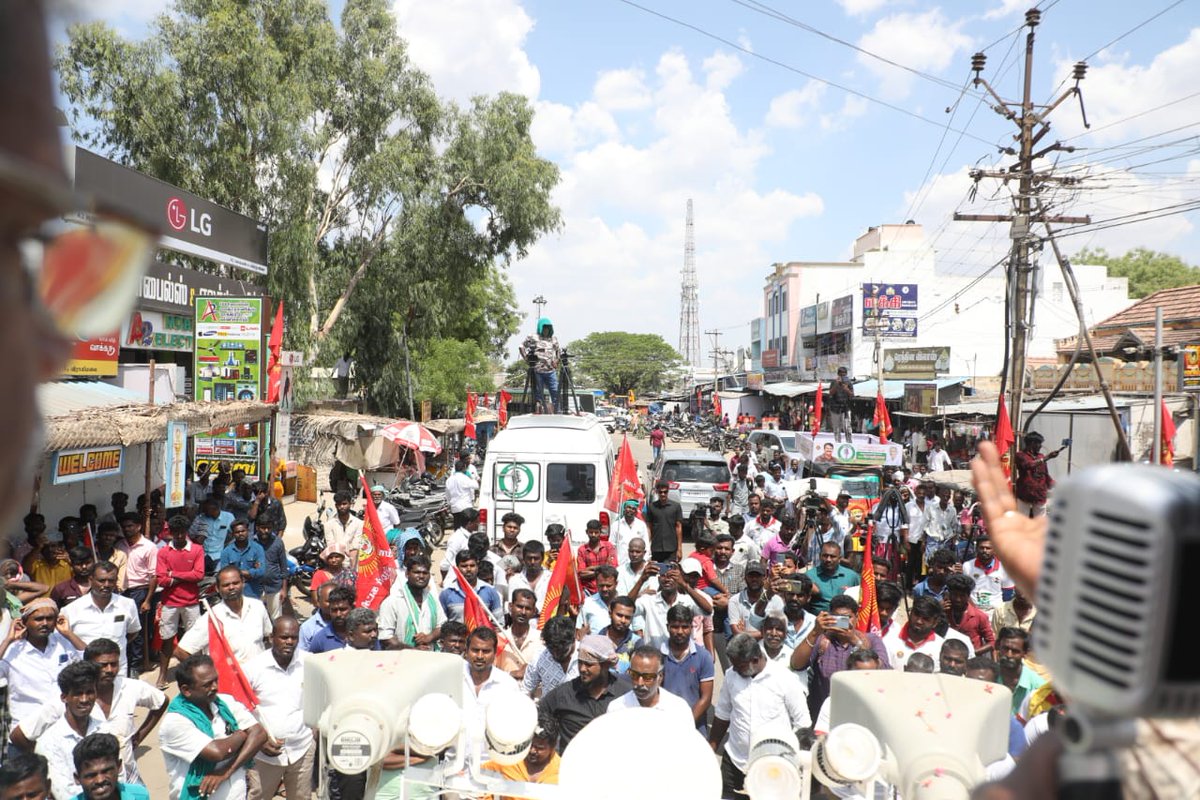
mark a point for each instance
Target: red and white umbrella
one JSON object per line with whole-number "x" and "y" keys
{"x": 412, "y": 435}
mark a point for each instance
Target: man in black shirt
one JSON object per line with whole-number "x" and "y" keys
{"x": 840, "y": 394}
{"x": 577, "y": 702}
{"x": 664, "y": 518}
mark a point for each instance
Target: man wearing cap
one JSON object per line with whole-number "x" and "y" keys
{"x": 389, "y": 517}
{"x": 664, "y": 518}
{"x": 580, "y": 700}
{"x": 32, "y": 655}
{"x": 1033, "y": 484}
{"x": 627, "y": 528}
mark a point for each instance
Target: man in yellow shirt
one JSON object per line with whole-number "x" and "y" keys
{"x": 540, "y": 764}
{"x": 49, "y": 566}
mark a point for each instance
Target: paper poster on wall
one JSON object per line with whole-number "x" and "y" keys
{"x": 176, "y": 464}
{"x": 229, "y": 366}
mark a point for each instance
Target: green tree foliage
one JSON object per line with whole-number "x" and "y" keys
{"x": 392, "y": 215}
{"x": 1148, "y": 270}
{"x": 446, "y": 367}
{"x": 617, "y": 361}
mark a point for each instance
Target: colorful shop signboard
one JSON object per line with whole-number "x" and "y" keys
{"x": 90, "y": 462}
{"x": 228, "y": 366}
{"x": 823, "y": 449}
{"x": 94, "y": 358}
{"x": 155, "y": 330}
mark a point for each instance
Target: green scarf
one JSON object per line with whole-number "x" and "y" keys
{"x": 200, "y": 767}
{"x": 415, "y": 611}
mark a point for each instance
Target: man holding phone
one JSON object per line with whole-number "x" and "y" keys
{"x": 1033, "y": 484}
{"x": 827, "y": 647}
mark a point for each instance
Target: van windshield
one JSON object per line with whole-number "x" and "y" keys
{"x": 570, "y": 483}
{"x": 695, "y": 472}
{"x": 789, "y": 442}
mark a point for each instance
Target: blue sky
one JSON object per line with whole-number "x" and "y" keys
{"x": 642, "y": 113}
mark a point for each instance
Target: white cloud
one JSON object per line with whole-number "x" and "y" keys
{"x": 927, "y": 41}
{"x": 797, "y": 107}
{"x": 852, "y": 107}
{"x": 722, "y": 69}
{"x": 622, "y": 90}
{"x": 470, "y": 47}
{"x": 857, "y": 8}
{"x": 1115, "y": 89}
{"x": 1006, "y": 8}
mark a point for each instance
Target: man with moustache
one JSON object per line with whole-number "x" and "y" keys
{"x": 411, "y": 616}
{"x": 277, "y": 677}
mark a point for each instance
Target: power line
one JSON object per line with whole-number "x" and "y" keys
{"x": 768, "y": 11}
{"x": 1168, "y": 104}
{"x": 1135, "y": 28}
{"x": 790, "y": 68}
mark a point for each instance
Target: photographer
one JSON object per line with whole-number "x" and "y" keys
{"x": 841, "y": 392}
{"x": 543, "y": 356}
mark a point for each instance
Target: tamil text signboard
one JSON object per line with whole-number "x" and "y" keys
{"x": 93, "y": 358}
{"x": 915, "y": 363}
{"x": 890, "y": 309}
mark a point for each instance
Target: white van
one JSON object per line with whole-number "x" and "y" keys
{"x": 548, "y": 468}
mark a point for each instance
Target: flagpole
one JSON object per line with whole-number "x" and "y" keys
{"x": 464, "y": 587}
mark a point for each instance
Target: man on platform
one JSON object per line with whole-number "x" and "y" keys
{"x": 1033, "y": 482}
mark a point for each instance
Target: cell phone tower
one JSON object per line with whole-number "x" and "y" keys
{"x": 689, "y": 301}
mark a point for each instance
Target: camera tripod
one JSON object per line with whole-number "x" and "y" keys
{"x": 566, "y": 387}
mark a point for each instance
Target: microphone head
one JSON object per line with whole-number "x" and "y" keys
{"x": 1113, "y": 627}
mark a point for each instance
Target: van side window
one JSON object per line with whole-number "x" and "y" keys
{"x": 570, "y": 483}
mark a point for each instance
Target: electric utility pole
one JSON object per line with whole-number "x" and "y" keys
{"x": 540, "y": 301}
{"x": 717, "y": 352}
{"x": 1032, "y": 126}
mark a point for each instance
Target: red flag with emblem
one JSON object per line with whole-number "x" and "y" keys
{"x": 475, "y": 613}
{"x": 817, "y": 410}
{"x": 1168, "y": 436}
{"x": 882, "y": 418}
{"x": 376, "y": 566}
{"x": 275, "y": 346}
{"x": 624, "y": 484}
{"x": 868, "y": 608}
{"x": 565, "y": 577}
{"x": 716, "y": 404}
{"x": 502, "y": 407}
{"x": 1004, "y": 436}
{"x": 230, "y": 678}
{"x": 469, "y": 416}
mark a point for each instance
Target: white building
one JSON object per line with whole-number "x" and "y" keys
{"x": 930, "y": 308}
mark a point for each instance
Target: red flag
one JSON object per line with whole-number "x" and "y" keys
{"x": 469, "y": 416}
{"x": 716, "y": 404}
{"x": 868, "y": 606}
{"x": 475, "y": 613}
{"x": 817, "y": 411}
{"x": 90, "y": 541}
{"x": 502, "y": 407}
{"x": 624, "y": 484}
{"x": 882, "y": 418}
{"x": 565, "y": 576}
{"x": 230, "y": 678}
{"x": 376, "y": 566}
{"x": 275, "y": 345}
{"x": 1168, "y": 436}
{"x": 1003, "y": 436}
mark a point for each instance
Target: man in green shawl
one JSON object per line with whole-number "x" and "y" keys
{"x": 411, "y": 616}
{"x": 207, "y": 739}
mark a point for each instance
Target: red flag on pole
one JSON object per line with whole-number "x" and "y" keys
{"x": 275, "y": 345}
{"x": 469, "y": 416}
{"x": 565, "y": 577}
{"x": 230, "y": 678}
{"x": 376, "y": 567}
{"x": 1168, "y": 436}
{"x": 502, "y": 407}
{"x": 1003, "y": 436}
{"x": 624, "y": 484}
{"x": 475, "y": 613}
{"x": 882, "y": 418}
{"x": 716, "y": 405}
{"x": 868, "y": 607}
{"x": 817, "y": 410}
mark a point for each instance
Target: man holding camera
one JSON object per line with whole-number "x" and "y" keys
{"x": 542, "y": 354}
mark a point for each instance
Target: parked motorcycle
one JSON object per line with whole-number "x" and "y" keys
{"x": 307, "y": 557}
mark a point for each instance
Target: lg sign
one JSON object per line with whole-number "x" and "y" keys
{"x": 180, "y": 217}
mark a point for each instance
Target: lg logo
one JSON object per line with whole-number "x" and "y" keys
{"x": 180, "y": 217}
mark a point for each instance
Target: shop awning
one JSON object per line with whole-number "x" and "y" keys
{"x": 100, "y": 426}
{"x": 894, "y": 390}
{"x": 789, "y": 388}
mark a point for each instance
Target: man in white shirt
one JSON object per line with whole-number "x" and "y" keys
{"x": 646, "y": 673}
{"x": 534, "y": 576}
{"x": 277, "y": 677}
{"x": 389, "y": 517}
{"x": 483, "y": 681}
{"x": 918, "y": 518}
{"x": 629, "y": 572}
{"x": 411, "y": 616}
{"x": 77, "y": 684}
{"x": 460, "y": 491}
{"x": 650, "y": 619}
{"x": 244, "y": 621}
{"x": 765, "y": 526}
{"x": 102, "y": 613}
{"x": 938, "y": 459}
{"x": 627, "y": 528}
{"x": 213, "y": 731}
{"x": 915, "y": 636}
{"x": 755, "y": 695}
{"x": 31, "y": 659}
{"x": 992, "y": 584}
